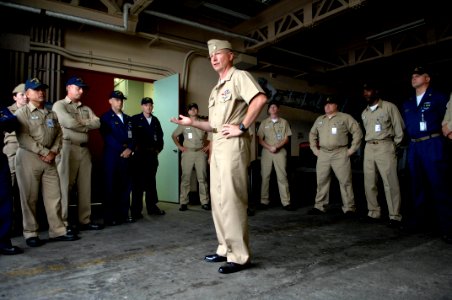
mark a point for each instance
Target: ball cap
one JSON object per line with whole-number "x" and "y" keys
{"x": 330, "y": 100}
{"x": 75, "y": 80}
{"x": 215, "y": 45}
{"x": 191, "y": 105}
{"x": 147, "y": 100}
{"x": 19, "y": 89}
{"x": 118, "y": 95}
{"x": 421, "y": 71}
{"x": 35, "y": 84}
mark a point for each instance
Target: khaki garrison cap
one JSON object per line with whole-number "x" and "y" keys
{"x": 215, "y": 45}
{"x": 19, "y": 89}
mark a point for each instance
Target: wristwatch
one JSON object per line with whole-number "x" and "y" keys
{"x": 243, "y": 128}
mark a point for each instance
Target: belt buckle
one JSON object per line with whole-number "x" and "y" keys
{"x": 214, "y": 130}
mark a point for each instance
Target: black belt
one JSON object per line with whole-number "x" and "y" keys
{"x": 376, "y": 142}
{"x": 427, "y": 137}
{"x": 77, "y": 144}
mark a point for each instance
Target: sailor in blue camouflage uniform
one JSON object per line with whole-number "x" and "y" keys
{"x": 8, "y": 123}
{"x": 116, "y": 131}
{"x": 427, "y": 158}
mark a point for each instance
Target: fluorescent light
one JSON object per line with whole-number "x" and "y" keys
{"x": 396, "y": 30}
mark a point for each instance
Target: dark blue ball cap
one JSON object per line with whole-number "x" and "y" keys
{"x": 191, "y": 105}
{"x": 118, "y": 95}
{"x": 146, "y": 100}
{"x": 75, "y": 80}
{"x": 35, "y": 84}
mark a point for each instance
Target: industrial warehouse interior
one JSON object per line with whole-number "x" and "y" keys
{"x": 304, "y": 50}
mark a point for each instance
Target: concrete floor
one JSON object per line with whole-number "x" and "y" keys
{"x": 295, "y": 256}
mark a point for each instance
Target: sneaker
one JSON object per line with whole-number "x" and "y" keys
{"x": 206, "y": 206}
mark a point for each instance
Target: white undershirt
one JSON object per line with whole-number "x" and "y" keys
{"x": 149, "y": 120}
{"x": 419, "y": 98}
{"x": 120, "y": 116}
{"x": 373, "y": 107}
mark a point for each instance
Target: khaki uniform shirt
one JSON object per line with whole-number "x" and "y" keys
{"x": 274, "y": 132}
{"x": 229, "y": 99}
{"x": 193, "y": 137}
{"x": 384, "y": 123}
{"x": 39, "y": 130}
{"x": 332, "y": 133}
{"x": 10, "y": 141}
{"x": 75, "y": 119}
{"x": 448, "y": 116}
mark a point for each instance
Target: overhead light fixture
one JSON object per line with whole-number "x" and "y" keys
{"x": 226, "y": 11}
{"x": 396, "y": 30}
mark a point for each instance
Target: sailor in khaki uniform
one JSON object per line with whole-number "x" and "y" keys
{"x": 384, "y": 132}
{"x": 234, "y": 104}
{"x": 39, "y": 136}
{"x": 74, "y": 162}
{"x": 10, "y": 148}
{"x": 273, "y": 135}
{"x": 328, "y": 141}
{"x": 447, "y": 122}
{"x": 194, "y": 154}
{"x": 10, "y": 140}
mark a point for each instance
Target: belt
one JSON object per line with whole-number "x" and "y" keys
{"x": 427, "y": 137}
{"x": 194, "y": 149}
{"x": 214, "y": 130}
{"x": 76, "y": 144}
{"x": 331, "y": 149}
{"x": 376, "y": 142}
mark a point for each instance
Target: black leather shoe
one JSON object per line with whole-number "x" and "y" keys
{"x": 65, "y": 238}
{"x": 91, "y": 226}
{"x": 350, "y": 214}
{"x": 447, "y": 238}
{"x": 289, "y": 207}
{"x": 183, "y": 207}
{"x": 72, "y": 229}
{"x": 112, "y": 223}
{"x": 394, "y": 224}
{"x": 34, "y": 242}
{"x": 250, "y": 212}
{"x": 137, "y": 216}
{"x": 231, "y": 267}
{"x": 370, "y": 220}
{"x": 315, "y": 212}
{"x": 206, "y": 206}
{"x": 262, "y": 206}
{"x": 13, "y": 250}
{"x": 156, "y": 211}
{"x": 215, "y": 258}
{"x": 129, "y": 220}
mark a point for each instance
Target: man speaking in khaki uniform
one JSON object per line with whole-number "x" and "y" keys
{"x": 384, "y": 132}
{"x": 328, "y": 141}
{"x": 447, "y": 122}
{"x": 39, "y": 136}
{"x": 194, "y": 154}
{"x": 234, "y": 104}
{"x": 74, "y": 162}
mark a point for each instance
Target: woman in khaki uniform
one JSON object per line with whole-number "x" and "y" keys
{"x": 234, "y": 104}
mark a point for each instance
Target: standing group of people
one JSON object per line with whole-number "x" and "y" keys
{"x": 235, "y": 102}
{"x": 49, "y": 159}
{"x": 425, "y": 122}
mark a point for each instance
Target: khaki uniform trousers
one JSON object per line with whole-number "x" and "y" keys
{"x": 33, "y": 174}
{"x": 279, "y": 161}
{"x": 229, "y": 193}
{"x": 74, "y": 168}
{"x": 381, "y": 158}
{"x": 339, "y": 162}
{"x": 197, "y": 159}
